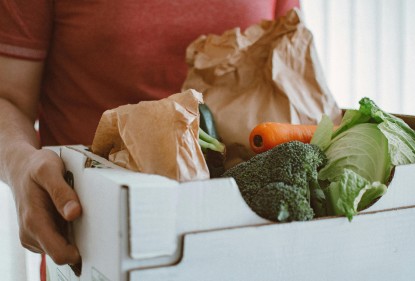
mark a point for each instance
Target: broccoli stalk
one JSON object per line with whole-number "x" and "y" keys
{"x": 214, "y": 152}
{"x": 281, "y": 183}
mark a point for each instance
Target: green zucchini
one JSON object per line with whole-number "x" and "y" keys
{"x": 207, "y": 122}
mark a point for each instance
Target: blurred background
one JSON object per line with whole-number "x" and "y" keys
{"x": 366, "y": 48}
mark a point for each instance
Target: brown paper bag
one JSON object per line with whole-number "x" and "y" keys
{"x": 155, "y": 137}
{"x": 270, "y": 72}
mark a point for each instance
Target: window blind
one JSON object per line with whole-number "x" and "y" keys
{"x": 366, "y": 48}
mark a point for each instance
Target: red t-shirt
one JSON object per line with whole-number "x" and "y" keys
{"x": 102, "y": 54}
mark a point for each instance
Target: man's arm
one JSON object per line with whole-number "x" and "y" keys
{"x": 41, "y": 194}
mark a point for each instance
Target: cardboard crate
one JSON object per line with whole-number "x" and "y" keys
{"x": 140, "y": 227}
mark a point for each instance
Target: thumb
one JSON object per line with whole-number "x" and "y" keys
{"x": 50, "y": 176}
{"x": 64, "y": 197}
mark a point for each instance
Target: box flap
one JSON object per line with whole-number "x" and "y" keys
{"x": 152, "y": 216}
{"x": 213, "y": 204}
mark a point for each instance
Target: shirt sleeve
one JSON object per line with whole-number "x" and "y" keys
{"x": 283, "y": 6}
{"x": 25, "y": 28}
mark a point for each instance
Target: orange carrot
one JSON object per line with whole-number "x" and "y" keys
{"x": 269, "y": 134}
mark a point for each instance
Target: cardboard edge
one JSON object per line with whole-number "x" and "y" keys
{"x": 91, "y": 157}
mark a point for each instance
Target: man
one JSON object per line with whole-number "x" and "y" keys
{"x": 65, "y": 62}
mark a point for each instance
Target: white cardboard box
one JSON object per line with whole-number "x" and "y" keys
{"x": 139, "y": 227}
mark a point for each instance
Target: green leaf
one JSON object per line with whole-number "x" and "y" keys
{"x": 350, "y": 119}
{"x": 322, "y": 135}
{"x": 362, "y": 149}
{"x": 400, "y": 136}
{"x": 401, "y": 145}
{"x": 351, "y": 193}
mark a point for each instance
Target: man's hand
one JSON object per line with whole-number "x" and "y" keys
{"x": 45, "y": 203}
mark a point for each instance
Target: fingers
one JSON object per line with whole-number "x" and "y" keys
{"x": 41, "y": 233}
{"x": 57, "y": 247}
{"x": 49, "y": 175}
{"x": 31, "y": 246}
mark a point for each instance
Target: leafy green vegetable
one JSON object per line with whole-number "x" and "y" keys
{"x": 362, "y": 149}
{"x": 361, "y": 154}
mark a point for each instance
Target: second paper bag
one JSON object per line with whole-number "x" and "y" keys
{"x": 269, "y": 72}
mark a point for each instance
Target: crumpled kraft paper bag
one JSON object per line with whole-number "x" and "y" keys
{"x": 155, "y": 137}
{"x": 269, "y": 72}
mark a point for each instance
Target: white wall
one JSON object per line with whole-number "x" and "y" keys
{"x": 12, "y": 256}
{"x": 16, "y": 263}
{"x": 367, "y": 48}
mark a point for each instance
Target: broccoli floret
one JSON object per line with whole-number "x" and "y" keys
{"x": 280, "y": 183}
{"x": 283, "y": 203}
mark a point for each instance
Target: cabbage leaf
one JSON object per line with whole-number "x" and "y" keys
{"x": 351, "y": 193}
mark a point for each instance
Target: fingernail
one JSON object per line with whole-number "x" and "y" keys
{"x": 69, "y": 208}
{"x": 77, "y": 268}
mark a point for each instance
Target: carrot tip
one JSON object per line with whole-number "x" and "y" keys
{"x": 258, "y": 142}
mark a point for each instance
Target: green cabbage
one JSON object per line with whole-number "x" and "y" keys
{"x": 362, "y": 149}
{"x": 361, "y": 154}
